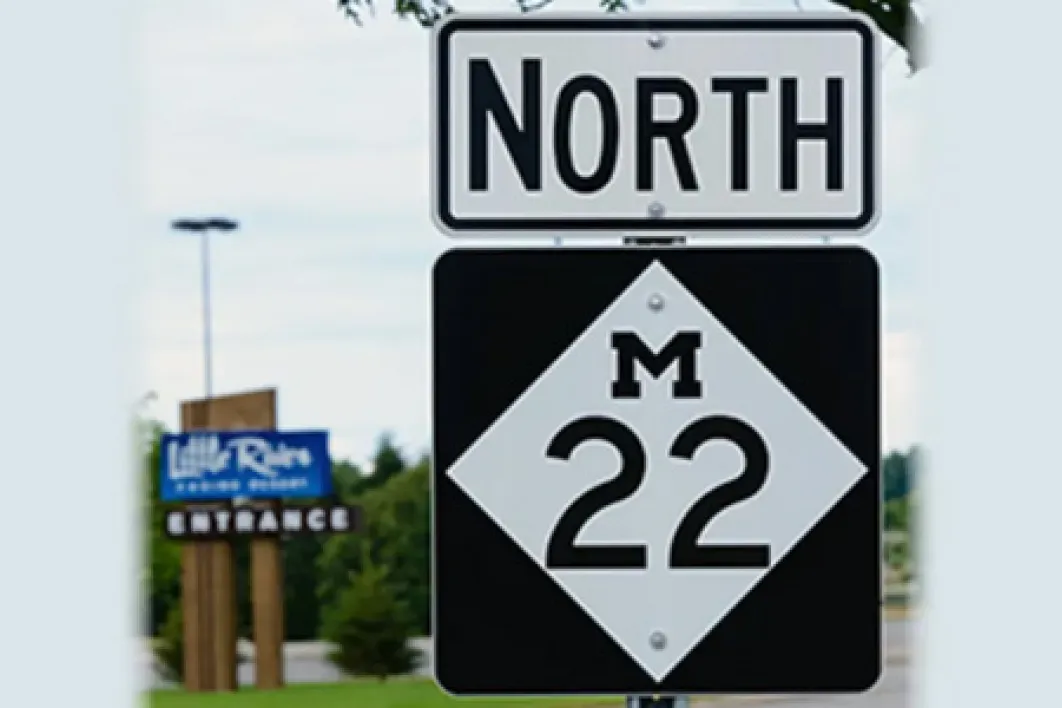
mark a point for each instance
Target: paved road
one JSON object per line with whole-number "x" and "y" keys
{"x": 898, "y": 637}
{"x": 305, "y": 663}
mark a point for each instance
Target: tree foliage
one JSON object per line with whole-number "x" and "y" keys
{"x": 370, "y": 628}
{"x": 162, "y": 576}
{"x": 302, "y": 612}
{"x": 897, "y": 19}
{"x": 899, "y": 475}
{"x": 169, "y": 647}
{"x": 397, "y": 534}
{"x": 350, "y": 482}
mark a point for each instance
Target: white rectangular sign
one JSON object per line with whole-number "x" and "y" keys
{"x": 557, "y": 124}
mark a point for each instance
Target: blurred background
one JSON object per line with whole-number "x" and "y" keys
{"x": 311, "y": 132}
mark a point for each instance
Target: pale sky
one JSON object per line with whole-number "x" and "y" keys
{"x": 314, "y": 134}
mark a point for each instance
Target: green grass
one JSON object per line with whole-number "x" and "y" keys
{"x": 397, "y": 693}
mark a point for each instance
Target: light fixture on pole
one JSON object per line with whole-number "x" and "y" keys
{"x": 203, "y": 227}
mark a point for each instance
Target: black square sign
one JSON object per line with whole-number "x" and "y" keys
{"x": 656, "y": 471}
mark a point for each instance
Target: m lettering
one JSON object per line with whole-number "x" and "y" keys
{"x": 682, "y": 347}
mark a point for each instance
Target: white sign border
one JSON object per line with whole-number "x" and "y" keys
{"x": 473, "y": 228}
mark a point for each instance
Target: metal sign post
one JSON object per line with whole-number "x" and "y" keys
{"x": 658, "y": 702}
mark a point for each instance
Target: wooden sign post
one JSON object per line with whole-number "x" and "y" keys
{"x": 207, "y": 572}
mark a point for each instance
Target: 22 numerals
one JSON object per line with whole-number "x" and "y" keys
{"x": 685, "y": 552}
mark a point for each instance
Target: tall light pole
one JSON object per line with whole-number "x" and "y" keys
{"x": 203, "y": 227}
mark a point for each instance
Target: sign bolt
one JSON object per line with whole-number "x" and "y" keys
{"x": 655, "y": 210}
{"x": 656, "y": 304}
{"x": 657, "y": 640}
{"x": 656, "y": 41}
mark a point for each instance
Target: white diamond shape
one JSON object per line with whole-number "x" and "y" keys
{"x": 508, "y": 474}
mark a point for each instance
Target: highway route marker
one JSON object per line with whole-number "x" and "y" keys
{"x": 656, "y": 471}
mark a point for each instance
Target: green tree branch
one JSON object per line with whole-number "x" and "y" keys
{"x": 896, "y": 19}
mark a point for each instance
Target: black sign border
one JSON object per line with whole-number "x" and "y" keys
{"x": 441, "y": 95}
